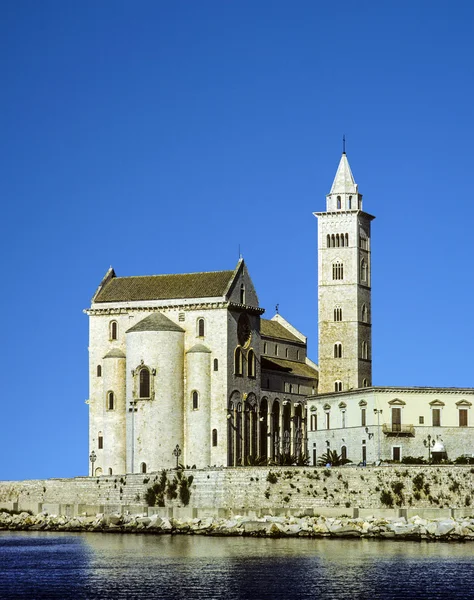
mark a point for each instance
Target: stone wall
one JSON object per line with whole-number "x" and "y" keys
{"x": 258, "y": 489}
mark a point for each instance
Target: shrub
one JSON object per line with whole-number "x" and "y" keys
{"x": 467, "y": 501}
{"x": 413, "y": 460}
{"x": 386, "y": 498}
{"x": 418, "y": 481}
{"x": 271, "y": 477}
{"x": 333, "y": 458}
{"x": 397, "y": 487}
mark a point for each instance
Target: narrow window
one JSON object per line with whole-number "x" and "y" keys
{"x": 242, "y": 294}
{"x": 364, "y": 350}
{"x": 338, "y": 350}
{"x": 195, "y": 400}
{"x": 238, "y": 360}
{"x": 297, "y": 355}
{"x": 216, "y": 364}
{"x": 286, "y": 352}
{"x": 338, "y": 386}
{"x": 339, "y": 202}
{"x": 343, "y": 419}
{"x": 143, "y": 467}
{"x": 363, "y": 271}
{"x": 364, "y": 313}
{"x": 214, "y": 437}
{"x": 200, "y": 327}
{"x": 363, "y": 417}
{"x": 349, "y": 204}
{"x": 333, "y": 241}
{"x": 337, "y": 271}
{"x": 463, "y": 417}
{"x": 251, "y": 364}
{"x": 328, "y": 241}
{"x": 436, "y": 412}
{"x": 113, "y": 330}
{"x": 144, "y": 383}
{"x": 99, "y": 370}
{"x": 264, "y": 347}
{"x": 314, "y": 423}
{"x": 342, "y": 240}
{"x": 100, "y": 441}
{"x": 343, "y": 452}
{"x": 276, "y": 349}
{"x": 110, "y": 401}
{"x": 338, "y": 313}
{"x": 365, "y": 383}
{"x": 327, "y": 419}
{"x": 421, "y": 420}
{"x": 337, "y": 240}
{"x": 347, "y": 239}
{"x": 110, "y": 471}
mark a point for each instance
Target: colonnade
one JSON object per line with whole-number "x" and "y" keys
{"x": 259, "y": 431}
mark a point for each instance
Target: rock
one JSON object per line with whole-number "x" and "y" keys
{"x": 444, "y": 528}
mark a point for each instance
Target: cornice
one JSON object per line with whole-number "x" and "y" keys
{"x": 394, "y": 390}
{"x": 123, "y": 310}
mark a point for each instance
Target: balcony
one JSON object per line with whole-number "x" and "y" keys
{"x": 397, "y": 430}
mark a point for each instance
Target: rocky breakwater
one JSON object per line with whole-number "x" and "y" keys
{"x": 268, "y": 526}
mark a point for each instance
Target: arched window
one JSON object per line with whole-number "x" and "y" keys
{"x": 337, "y": 270}
{"x": 338, "y": 386}
{"x": 110, "y": 471}
{"x": 143, "y": 467}
{"x": 349, "y": 204}
{"x": 314, "y": 423}
{"x": 110, "y": 401}
{"x": 251, "y": 364}
{"x": 333, "y": 240}
{"x": 216, "y": 364}
{"x": 200, "y": 327}
{"x": 364, "y": 350}
{"x": 99, "y": 370}
{"x": 195, "y": 396}
{"x": 365, "y": 383}
{"x": 286, "y": 352}
{"x": 242, "y": 294}
{"x": 344, "y": 452}
{"x": 238, "y": 361}
{"x": 364, "y": 313}
{"x": 113, "y": 330}
{"x": 144, "y": 391}
{"x": 100, "y": 441}
{"x": 337, "y": 240}
{"x": 328, "y": 241}
{"x": 214, "y": 437}
{"x": 347, "y": 239}
{"x": 339, "y": 202}
{"x": 363, "y": 271}
{"x": 338, "y": 313}
{"x": 338, "y": 350}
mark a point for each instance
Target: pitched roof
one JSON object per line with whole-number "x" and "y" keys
{"x": 115, "y": 353}
{"x": 344, "y": 180}
{"x": 155, "y": 322}
{"x": 199, "y": 348}
{"x": 273, "y": 329}
{"x": 165, "y": 287}
{"x": 291, "y": 366}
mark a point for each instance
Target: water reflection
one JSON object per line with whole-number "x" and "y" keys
{"x": 107, "y": 566}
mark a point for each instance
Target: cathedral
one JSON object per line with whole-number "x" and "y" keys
{"x": 184, "y": 369}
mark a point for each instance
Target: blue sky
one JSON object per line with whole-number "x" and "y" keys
{"x": 158, "y": 136}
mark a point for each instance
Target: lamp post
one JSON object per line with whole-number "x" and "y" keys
{"x": 133, "y": 409}
{"x": 429, "y": 443}
{"x": 378, "y": 412}
{"x": 177, "y": 453}
{"x": 92, "y": 458}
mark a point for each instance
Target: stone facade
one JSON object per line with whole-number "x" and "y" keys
{"x": 175, "y": 366}
{"x": 383, "y": 423}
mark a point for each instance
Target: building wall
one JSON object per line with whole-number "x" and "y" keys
{"x": 378, "y": 429}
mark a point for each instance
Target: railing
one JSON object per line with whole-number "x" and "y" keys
{"x": 398, "y": 429}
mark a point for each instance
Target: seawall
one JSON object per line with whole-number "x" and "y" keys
{"x": 429, "y": 491}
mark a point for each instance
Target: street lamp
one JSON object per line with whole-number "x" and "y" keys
{"x": 177, "y": 453}
{"x": 429, "y": 443}
{"x": 92, "y": 458}
{"x": 378, "y": 412}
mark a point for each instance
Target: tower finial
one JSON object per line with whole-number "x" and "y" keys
{"x": 344, "y": 144}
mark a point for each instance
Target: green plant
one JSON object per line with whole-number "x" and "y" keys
{"x": 267, "y": 494}
{"x": 386, "y": 498}
{"x": 413, "y": 460}
{"x": 332, "y": 458}
{"x": 397, "y": 487}
{"x": 418, "y": 481}
{"x": 464, "y": 460}
{"x": 286, "y": 499}
{"x": 467, "y": 501}
{"x": 347, "y": 504}
{"x": 454, "y": 487}
{"x": 271, "y": 477}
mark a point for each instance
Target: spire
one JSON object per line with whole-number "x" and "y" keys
{"x": 344, "y": 181}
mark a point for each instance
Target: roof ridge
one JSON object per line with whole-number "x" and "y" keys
{"x": 175, "y": 274}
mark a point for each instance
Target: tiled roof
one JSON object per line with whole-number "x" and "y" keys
{"x": 199, "y": 348}
{"x": 115, "y": 353}
{"x": 165, "y": 287}
{"x": 274, "y": 329}
{"x": 155, "y": 322}
{"x": 291, "y": 366}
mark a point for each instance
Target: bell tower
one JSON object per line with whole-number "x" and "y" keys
{"x": 344, "y": 287}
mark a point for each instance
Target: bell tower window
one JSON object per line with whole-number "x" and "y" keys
{"x": 144, "y": 390}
